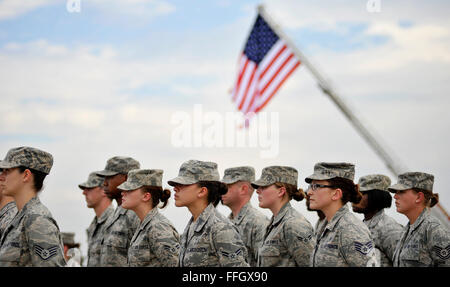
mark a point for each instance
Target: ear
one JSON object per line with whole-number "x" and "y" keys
{"x": 337, "y": 194}
{"x": 147, "y": 196}
{"x": 244, "y": 189}
{"x": 281, "y": 191}
{"x": 27, "y": 175}
{"x": 203, "y": 192}
{"x": 420, "y": 197}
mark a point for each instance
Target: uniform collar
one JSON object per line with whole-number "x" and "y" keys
{"x": 242, "y": 213}
{"x": 282, "y": 213}
{"x": 425, "y": 213}
{"x": 150, "y": 215}
{"x": 375, "y": 219}
{"x": 341, "y": 212}
{"x": 105, "y": 215}
{"x": 7, "y": 207}
{"x": 203, "y": 218}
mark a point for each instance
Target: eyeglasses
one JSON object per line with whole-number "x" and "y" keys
{"x": 316, "y": 186}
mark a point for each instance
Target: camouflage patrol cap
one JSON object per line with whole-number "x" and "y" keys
{"x": 272, "y": 174}
{"x": 93, "y": 181}
{"x": 193, "y": 171}
{"x": 119, "y": 165}
{"x": 68, "y": 238}
{"x": 142, "y": 177}
{"x": 374, "y": 182}
{"x": 241, "y": 173}
{"x": 329, "y": 170}
{"x": 410, "y": 180}
{"x": 28, "y": 157}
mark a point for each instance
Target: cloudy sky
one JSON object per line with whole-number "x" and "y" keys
{"x": 111, "y": 79}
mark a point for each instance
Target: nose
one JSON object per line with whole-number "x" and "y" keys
{"x": 84, "y": 191}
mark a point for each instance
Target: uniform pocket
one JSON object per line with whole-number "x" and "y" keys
{"x": 268, "y": 256}
{"x": 415, "y": 257}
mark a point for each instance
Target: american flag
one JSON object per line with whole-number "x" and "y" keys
{"x": 263, "y": 67}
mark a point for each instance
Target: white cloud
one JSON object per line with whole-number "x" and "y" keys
{"x": 10, "y": 9}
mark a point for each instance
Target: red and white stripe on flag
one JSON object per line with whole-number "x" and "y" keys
{"x": 257, "y": 84}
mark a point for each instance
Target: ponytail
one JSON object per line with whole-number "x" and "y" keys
{"x": 158, "y": 195}
{"x": 292, "y": 191}
{"x": 350, "y": 190}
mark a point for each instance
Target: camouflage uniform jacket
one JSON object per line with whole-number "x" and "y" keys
{"x": 215, "y": 242}
{"x": 118, "y": 232}
{"x": 156, "y": 243}
{"x": 7, "y": 214}
{"x": 344, "y": 241}
{"x": 288, "y": 240}
{"x": 320, "y": 224}
{"x": 251, "y": 224}
{"x": 386, "y": 232}
{"x": 32, "y": 238}
{"x": 95, "y": 234}
{"x": 424, "y": 243}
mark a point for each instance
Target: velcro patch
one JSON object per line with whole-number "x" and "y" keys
{"x": 46, "y": 253}
{"x": 442, "y": 253}
{"x": 305, "y": 239}
{"x": 231, "y": 254}
{"x": 363, "y": 248}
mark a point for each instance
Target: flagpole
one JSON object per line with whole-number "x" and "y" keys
{"x": 395, "y": 167}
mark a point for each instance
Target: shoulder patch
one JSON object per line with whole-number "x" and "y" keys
{"x": 231, "y": 254}
{"x": 46, "y": 253}
{"x": 305, "y": 239}
{"x": 363, "y": 248}
{"x": 442, "y": 253}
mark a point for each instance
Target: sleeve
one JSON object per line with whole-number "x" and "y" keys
{"x": 390, "y": 237}
{"x": 439, "y": 245}
{"x": 229, "y": 247}
{"x": 299, "y": 238}
{"x": 165, "y": 244}
{"x": 44, "y": 241}
{"x": 257, "y": 239}
{"x": 357, "y": 247}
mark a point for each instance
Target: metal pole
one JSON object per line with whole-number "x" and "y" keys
{"x": 395, "y": 168}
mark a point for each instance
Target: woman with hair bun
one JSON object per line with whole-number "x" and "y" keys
{"x": 343, "y": 239}
{"x": 425, "y": 242}
{"x": 289, "y": 237}
{"x": 156, "y": 242}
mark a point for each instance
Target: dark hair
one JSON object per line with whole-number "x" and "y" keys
{"x": 292, "y": 191}
{"x": 38, "y": 176}
{"x": 158, "y": 195}
{"x": 378, "y": 200}
{"x": 431, "y": 199}
{"x": 350, "y": 190}
{"x": 215, "y": 190}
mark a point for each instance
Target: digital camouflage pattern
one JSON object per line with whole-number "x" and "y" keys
{"x": 95, "y": 234}
{"x": 374, "y": 182}
{"x": 28, "y": 157}
{"x": 7, "y": 214}
{"x": 288, "y": 240}
{"x": 93, "y": 181}
{"x": 344, "y": 242}
{"x": 240, "y": 173}
{"x": 425, "y": 243}
{"x": 214, "y": 242}
{"x": 32, "y": 239}
{"x": 119, "y": 165}
{"x": 410, "y": 180}
{"x": 386, "y": 233}
{"x": 329, "y": 170}
{"x": 142, "y": 177}
{"x": 251, "y": 224}
{"x": 156, "y": 243}
{"x": 273, "y": 174}
{"x": 193, "y": 171}
{"x": 118, "y": 232}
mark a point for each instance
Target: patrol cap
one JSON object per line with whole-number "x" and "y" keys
{"x": 240, "y": 173}
{"x": 329, "y": 170}
{"x": 374, "y": 182}
{"x": 193, "y": 171}
{"x": 68, "y": 238}
{"x": 93, "y": 181}
{"x": 28, "y": 157}
{"x": 410, "y": 180}
{"x": 272, "y": 174}
{"x": 119, "y": 165}
{"x": 142, "y": 177}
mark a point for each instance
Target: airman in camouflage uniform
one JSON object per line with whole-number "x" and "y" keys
{"x": 250, "y": 222}
{"x": 95, "y": 230}
{"x": 33, "y": 237}
{"x": 121, "y": 226}
{"x": 425, "y": 241}
{"x": 386, "y": 232}
{"x": 211, "y": 240}
{"x": 156, "y": 242}
{"x": 289, "y": 237}
{"x": 8, "y": 207}
{"x": 344, "y": 240}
